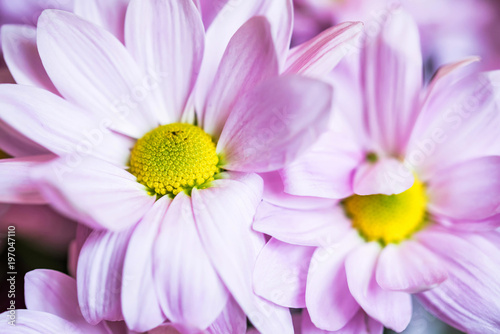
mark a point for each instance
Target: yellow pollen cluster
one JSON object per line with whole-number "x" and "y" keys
{"x": 174, "y": 157}
{"x": 388, "y": 219}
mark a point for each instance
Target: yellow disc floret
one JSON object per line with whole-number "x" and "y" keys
{"x": 388, "y": 219}
{"x": 173, "y": 158}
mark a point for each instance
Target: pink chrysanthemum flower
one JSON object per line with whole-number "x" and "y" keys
{"x": 169, "y": 189}
{"x": 403, "y": 199}
{"x": 52, "y": 307}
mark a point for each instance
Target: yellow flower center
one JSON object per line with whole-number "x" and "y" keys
{"x": 173, "y": 158}
{"x": 388, "y": 219}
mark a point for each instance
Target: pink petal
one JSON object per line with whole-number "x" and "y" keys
{"x": 409, "y": 267}
{"x": 15, "y": 144}
{"x": 326, "y": 170}
{"x": 280, "y": 273}
{"x": 361, "y": 323}
{"x": 55, "y": 293}
{"x": 166, "y": 38}
{"x": 311, "y": 227}
{"x": 387, "y": 176}
{"x": 275, "y": 122}
{"x": 109, "y": 14}
{"x": 232, "y": 320}
{"x": 392, "y": 308}
{"x": 320, "y": 54}
{"x": 21, "y": 55}
{"x": 328, "y": 300}
{"x": 59, "y": 126}
{"x": 35, "y": 322}
{"x": 92, "y": 69}
{"x": 100, "y": 275}
{"x": 459, "y": 121}
{"x": 223, "y": 215}
{"x": 487, "y": 224}
{"x": 391, "y": 76}
{"x": 274, "y": 193}
{"x": 94, "y": 192}
{"x": 228, "y": 20}
{"x": 468, "y": 300}
{"x": 470, "y": 190}
{"x": 138, "y": 268}
{"x": 250, "y": 58}
{"x": 189, "y": 290}
{"x": 209, "y": 9}
{"x": 16, "y": 185}
{"x": 448, "y": 73}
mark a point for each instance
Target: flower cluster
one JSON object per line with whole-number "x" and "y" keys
{"x": 264, "y": 166}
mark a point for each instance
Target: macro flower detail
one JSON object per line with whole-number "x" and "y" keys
{"x": 162, "y": 166}
{"x": 409, "y": 198}
{"x": 388, "y": 218}
{"x": 173, "y": 158}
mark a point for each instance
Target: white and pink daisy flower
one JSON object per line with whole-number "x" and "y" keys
{"x": 169, "y": 190}
{"x": 403, "y": 199}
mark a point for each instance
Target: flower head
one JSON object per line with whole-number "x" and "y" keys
{"x": 394, "y": 202}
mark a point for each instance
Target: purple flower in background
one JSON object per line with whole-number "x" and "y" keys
{"x": 472, "y": 30}
{"x": 401, "y": 197}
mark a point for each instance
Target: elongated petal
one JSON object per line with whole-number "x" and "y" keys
{"x": 470, "y": 190}
{"x": 459, "y": 121}
{"x": 274, "y": 193}
{"x": 223, "y": 215}
{"x": 231, "y": 16}
{"x": 393, "y": 309}
{"x": 91, "y": 68}
{"x": 108, "y": 14}
{"x": 328, "y": 298}
{"x": 361, "y": 323}
{"x": 326, "y": 170}
{"x": 249, "y": 59}
{"x": 231, "y": 320}
{"x": 468, "y": 300}
{"x": 320, "y": 54}
{"x": 16, "y": 144}
{"x": 387, "y": 176}
{"x": 55, "y": 293}
{"x": 280, "y": 273}
{"x": 94, "y": 192}
{"x": 313, "y": 227}
{"x": 409, "y": 267}
{"x": 138, "y": 281}
{"x": 59, "y": 126}
{"x": 36, "y": 322}
{"x": 166, "y": 38}
{"x": 21, "y": 55}
{"x": 100, "y": 275}
{"x": 391, "y": 76}
{"x": 16, "y": 185}
{"x": 189, "y": 290}
{"x": 274, "y": 123}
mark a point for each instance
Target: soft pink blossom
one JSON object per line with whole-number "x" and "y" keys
{"x": 446, "y": 135}
{"x": 91, "y": 87}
